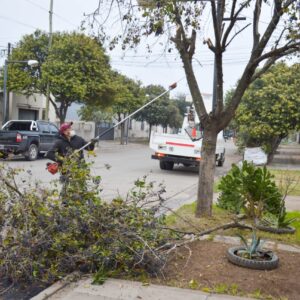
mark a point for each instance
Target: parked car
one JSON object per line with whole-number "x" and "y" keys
{"x": 29, "y": 138}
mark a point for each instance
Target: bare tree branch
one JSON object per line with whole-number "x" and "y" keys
{"x": 15, "y": 189}
{"x": 192, "y": 47}
{"x": 215, "y": 22}
{"x": 258, "y": 47}
{"x": 256, "y": 18}
{"x": 208, "y": 231}
{"x": 264, "y": 69}
{"x": 195, "y": 236}
{"x": 288, "y": 3}
{"x": 233, "y": 19}
{"x": 279, "y": 38}
{"x": 256, "y": 58}
{"x": 270, "y": 61}
{"x": 282, "y": 51}
{"x": 186, "y": 48}
{"x": 237, "y": 33}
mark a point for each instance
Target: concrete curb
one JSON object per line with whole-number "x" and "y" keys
{"x": 51, "y": 290}
{"x": 59, "y": 285}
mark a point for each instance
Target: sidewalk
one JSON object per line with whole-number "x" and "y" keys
{"x": 287, "y": 157}
{"x": 115, "y": 289}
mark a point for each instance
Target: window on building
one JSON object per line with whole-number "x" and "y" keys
{"x": 28, "y": 114}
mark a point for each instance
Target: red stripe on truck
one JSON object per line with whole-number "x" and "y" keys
{"x": 180, "y": 144}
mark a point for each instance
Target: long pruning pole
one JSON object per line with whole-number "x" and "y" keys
{"x": 171, "y": 87}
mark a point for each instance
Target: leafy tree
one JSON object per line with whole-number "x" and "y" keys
{"x": 95, "y": 114}
{"x": 157, "y": 112}
{"x": 174, "y": 117}
{"x": 182, "y": 23}
{"x": 181, "y": 103}
{"x": 129, "y": 97}
{"x": 270, "y": 109}
{"x": 77, "y": 70}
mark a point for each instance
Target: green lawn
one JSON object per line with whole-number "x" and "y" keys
{"x": 185, "y": 220}
{"x": 216, "y": 184}
{"x": 284, "y": 176}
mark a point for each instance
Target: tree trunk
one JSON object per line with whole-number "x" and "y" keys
{"x": 122, "y": 140}
{"x": 63, "y": 114}
{"x": 206, "y": 173}
{"x": 275, "y": 144}
{"x": 61, "y": 111}
{"x": 150, "y": 130}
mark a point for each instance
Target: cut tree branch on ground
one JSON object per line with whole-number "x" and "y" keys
{"x": 208, "y": 231}
{"x": 169, "y": 247}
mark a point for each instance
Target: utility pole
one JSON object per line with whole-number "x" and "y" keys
{"x": 5, "y": 107}
{"x": 8, "y": 50}
{"x": 49, "y": 49}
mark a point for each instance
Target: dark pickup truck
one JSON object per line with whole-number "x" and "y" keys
{"x": 29, "y": 138}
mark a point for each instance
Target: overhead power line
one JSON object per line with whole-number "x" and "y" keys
{"x": 16, "y": 21}
{"x": 172, "y": 66}
{"x": 47, "y": 10}
{"x": 37, "y": 5}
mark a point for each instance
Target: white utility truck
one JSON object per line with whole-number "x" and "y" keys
{"x": 184, "y": 147}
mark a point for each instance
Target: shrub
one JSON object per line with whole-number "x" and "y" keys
{"x": 279, "y": 221}
{"x": 43, "y": 239}
{"x": 250, "y": 189}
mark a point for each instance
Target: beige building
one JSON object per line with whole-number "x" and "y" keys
{"x": 23, "y": 107}
{"x": 207, "y": 99}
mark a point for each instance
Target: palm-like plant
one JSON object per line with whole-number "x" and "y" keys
{"x": 253, "y": 249}
{"x": 280, "y": 221}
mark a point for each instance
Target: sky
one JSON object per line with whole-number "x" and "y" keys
{"x": 20, "y": 17}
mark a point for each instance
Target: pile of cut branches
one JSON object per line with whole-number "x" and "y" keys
{"x": 44, "y": 237}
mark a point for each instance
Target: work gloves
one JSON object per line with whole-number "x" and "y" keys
{"x": 94, "y": 141}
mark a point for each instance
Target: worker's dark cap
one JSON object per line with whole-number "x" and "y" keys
{"x": 64, "y": 127}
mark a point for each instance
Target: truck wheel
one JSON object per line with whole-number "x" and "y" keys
{"x": 32, "y": 153}
{"x": 220, "y": 163}
{"x": 169, "y": 165}
{"x": 162, "y": 165}
{"x": 221, "y": 160}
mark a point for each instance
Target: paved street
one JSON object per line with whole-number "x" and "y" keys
{"x": 129, "y": 162}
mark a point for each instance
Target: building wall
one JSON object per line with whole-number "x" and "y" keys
{"x": 84, "y": 129}
{"x": 207, "y": 99}
{"x": 35, "y": 102}
{"x": 138, "y": 129}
